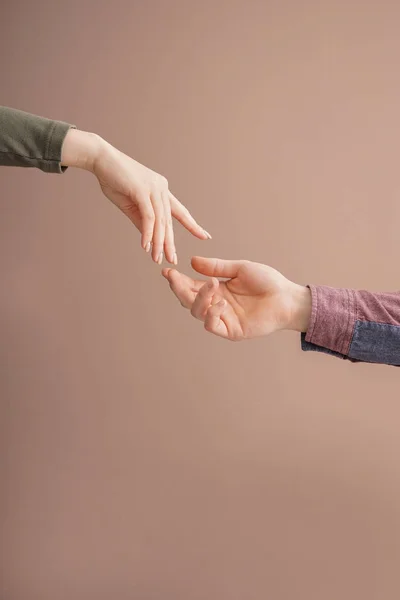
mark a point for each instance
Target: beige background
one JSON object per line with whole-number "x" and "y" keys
{"x": 140, "y": 457}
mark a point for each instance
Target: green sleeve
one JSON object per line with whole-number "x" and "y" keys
{"x": 30, "y": 141}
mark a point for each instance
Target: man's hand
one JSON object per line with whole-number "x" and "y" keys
{"x": 255, "y": 300}
{"x": 140, "y": 193}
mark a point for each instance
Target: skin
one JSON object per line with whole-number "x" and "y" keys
{"x": 140, "y": 193}
{"x": 254, "y": 300}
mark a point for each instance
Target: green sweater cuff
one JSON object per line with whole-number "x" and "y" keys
{"x": 30, "y": 141}
{"x": 51, "y": 162}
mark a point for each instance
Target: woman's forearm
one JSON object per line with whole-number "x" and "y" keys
{"x": 81, "y": 149}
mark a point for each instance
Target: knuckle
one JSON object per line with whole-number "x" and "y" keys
{"x": 148, "y": 211}
{"x": 161, "y": 224}
{"x": 142, "y": 198}
{"x": 217, "y": 266}
{"x": 149, "y": 216}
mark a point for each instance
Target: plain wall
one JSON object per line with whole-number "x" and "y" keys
{"x": 140, "y": 457}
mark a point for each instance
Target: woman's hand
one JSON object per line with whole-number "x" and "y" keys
{"x": 255, "y": 301}
{"x": 140, "y": 193}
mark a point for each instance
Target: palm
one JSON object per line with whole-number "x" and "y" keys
{"x": 254, "y": 299}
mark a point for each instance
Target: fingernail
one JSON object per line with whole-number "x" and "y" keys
{"x": 148, "y": 246}
{"x": 207, "y": 234}
{"x": 175, "y": 259}
{"x": 160, "y": 258}
{"x": 221, "y": 303}
{"x": 210, "y": 284}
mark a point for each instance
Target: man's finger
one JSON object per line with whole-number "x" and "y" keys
{"x": 213, "y": 322}
{"x": 195, "y": 284}
{"x": 182, "y": 286}
{"x": 216, "y": 267}
{"x": 204, "y": 298}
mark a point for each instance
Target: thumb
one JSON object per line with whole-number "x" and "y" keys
{"x": 216, "y": 267}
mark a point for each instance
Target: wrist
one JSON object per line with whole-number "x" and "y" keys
{"x": 301, "y": 305}
{"x": 81, "y": 149}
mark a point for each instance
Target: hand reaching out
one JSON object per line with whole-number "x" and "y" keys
{"x": 140, "y": 193}
{"x": 255, "y": 300}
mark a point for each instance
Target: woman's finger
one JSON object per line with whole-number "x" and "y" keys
{"x": 213, "y": 322}
{"x": 147, "y": 218}
{"x": 159, "y": 226}
{"x": 169, "y": 243}
{"x": 181, "y": 214}
{"x": 134, "y": 216}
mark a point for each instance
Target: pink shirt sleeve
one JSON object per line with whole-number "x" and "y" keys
{"x": 359, "y": 325}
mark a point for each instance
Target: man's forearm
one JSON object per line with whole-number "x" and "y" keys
{"x": 301, "y": 307}
{"x": 27, "y": 140}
